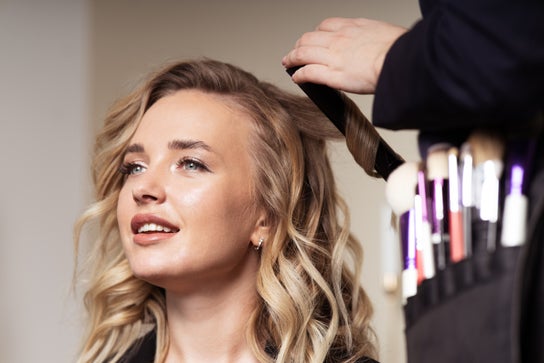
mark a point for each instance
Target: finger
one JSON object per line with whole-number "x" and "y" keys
{"x": 315, "y": 38}
{"x": 306, "y": 55}
{"x": 314, "y": 73}
{"x": 334, "y": 24}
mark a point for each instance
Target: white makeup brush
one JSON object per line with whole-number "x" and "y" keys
{"x": 400, "y": 192}
{"x": 487, "y": 151}
{"x": 437, "y": 174}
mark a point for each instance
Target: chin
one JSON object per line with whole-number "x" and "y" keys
{"x": 152, "y": 277}
{"x": 147, "y": 269}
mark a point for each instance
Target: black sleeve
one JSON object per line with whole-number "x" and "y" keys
{"x": 466, "y": 62}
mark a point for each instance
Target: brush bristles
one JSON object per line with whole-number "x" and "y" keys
{"x": 486, "y": 145}
{"x": 401, "y": 187}
{"x": 437, "y": 163}
{"x": 453, "y": 151}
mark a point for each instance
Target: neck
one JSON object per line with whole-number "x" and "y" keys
{"x": 210, "y": 325}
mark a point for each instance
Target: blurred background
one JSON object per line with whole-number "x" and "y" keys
{"x": 64, "y": 62}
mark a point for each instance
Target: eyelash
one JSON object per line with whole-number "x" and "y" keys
{"x": 186, "y": 161}
{"x": 129, "y": 167}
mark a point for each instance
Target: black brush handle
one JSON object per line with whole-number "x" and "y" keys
{"x": 330, "y": 102}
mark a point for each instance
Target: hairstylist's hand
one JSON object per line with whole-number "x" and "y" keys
{"x": 343, "y": 53}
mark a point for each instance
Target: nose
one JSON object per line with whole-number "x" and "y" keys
{"x": 148, "y": 189}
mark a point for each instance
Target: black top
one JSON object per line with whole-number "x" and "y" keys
{"x": 143, "y": 351}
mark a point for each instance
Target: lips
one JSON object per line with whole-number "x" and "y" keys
{"x": 142, "y": 223}
{"x": 148, "y": 228}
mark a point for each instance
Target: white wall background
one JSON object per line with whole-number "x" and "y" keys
{"x": 62, "y": 64}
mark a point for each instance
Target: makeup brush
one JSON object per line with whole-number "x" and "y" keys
{"x": 466, "y": 168}
{"x": 487, "y": 150}
{"x": 516, "y": 205}
{"x": 521, "y": 148}
{"x": 519, "y": 154}
{"x": 400, "y": 192}
{"x": 437, "y": 173}
{"x": 423, "y": 226}
{"x": 457, "y": 244}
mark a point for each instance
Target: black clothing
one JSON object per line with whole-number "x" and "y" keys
{"x": 466, "y": 61}
{"x": 143, "y": 351}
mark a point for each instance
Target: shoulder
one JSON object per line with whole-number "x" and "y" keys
{"x": 142, "y": 351}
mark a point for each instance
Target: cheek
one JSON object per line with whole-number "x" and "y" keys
{"x": 220, "y": 210}
{"x": 238, "y": 221}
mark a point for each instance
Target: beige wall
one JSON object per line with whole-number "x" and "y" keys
{"x": 63, "y": 62}
{"x": 43, "y": 146}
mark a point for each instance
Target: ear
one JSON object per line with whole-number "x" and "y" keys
{"x": 261, "y": 232}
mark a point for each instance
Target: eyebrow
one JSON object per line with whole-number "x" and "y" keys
{"x": 135, "y": 148}
{"x": 188, "y": 144}
{"x": 173, "y": 145}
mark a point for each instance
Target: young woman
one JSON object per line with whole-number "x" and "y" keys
{"x": 221, "y": 234}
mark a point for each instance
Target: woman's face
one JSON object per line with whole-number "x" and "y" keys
{"x": 186, "y": 212}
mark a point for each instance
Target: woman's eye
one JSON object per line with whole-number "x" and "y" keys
{"x": 191, "y": 165}
{"x": 131, "y": 168}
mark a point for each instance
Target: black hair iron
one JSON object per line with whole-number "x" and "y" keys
{"x": 330, "y": 102}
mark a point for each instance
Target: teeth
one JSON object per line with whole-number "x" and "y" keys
{"x": 152, "y": 227}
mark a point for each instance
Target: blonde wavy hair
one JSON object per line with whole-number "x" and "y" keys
{"x": 312, "y": 307}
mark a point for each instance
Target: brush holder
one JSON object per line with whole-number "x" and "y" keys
{"x": 464, "y": 313}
